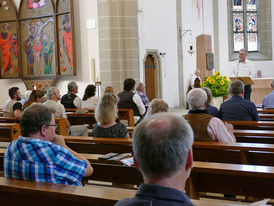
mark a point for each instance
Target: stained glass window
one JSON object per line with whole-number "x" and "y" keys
{"x": 245, "y": 25}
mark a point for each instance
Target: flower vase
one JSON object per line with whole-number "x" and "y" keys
{"x": 217, "y": 101}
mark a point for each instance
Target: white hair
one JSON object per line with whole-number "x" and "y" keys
{"x": 244, "y": 50}
{"x": 50, "y": 92}
{"x": 196, "y": 99}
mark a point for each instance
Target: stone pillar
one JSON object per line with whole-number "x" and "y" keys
{"x": 203, "y": 46}
{"x": 118, "y": 42}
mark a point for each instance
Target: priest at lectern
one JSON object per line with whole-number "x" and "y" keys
{"x": 244, "y": 68}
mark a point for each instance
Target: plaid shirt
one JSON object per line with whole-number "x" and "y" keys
{"x": 42, "y": 161}
{"x": 144, "y": 98}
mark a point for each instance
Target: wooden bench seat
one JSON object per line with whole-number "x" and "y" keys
{"x": 14, "y": 192}
{"x": 231, "y": 179}
{"x": 253, "y": 125}
{"x": 236, "y": 153}
{"x": 9, "y": 131}
{"x": 88, "y": 118}
{"x": 265, "y": 111}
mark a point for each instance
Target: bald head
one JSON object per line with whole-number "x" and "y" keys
{"x": 161, "y": 144}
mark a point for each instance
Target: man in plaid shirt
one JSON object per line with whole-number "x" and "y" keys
{"x": 141, "y": 89}
{"x": 41, "y": 155}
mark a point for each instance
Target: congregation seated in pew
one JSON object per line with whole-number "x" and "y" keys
{"x": 206, "y": 127}
{"x": 90, "y": 100}
{"x": 141, "y": 91}
{"x": 34, "y": 98}
{"x": 13, "y": 106}
{"x": 54, "y": 96}
{"x": 237, "y": 108}
{"x": 41, "y": 155}
{"x": 162, "y": 152}
{"x": 211, "y": 110}
{"x": 106, "y": 113}
{"x": 156, "y": 106}
{"x": 71, "y": 100}
{"x": 268, "y": 101}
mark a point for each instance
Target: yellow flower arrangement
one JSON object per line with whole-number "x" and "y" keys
{"x": 217, "y": 84}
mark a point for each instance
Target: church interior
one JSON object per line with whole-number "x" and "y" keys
{"x": 168, "y": 51}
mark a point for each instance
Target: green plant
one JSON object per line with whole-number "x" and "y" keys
{"x": 217, "y": 84}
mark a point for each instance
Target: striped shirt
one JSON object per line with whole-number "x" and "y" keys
{"x": 42, "y": 161}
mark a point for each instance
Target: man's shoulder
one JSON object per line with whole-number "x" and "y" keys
{"x": 126, "y": 202}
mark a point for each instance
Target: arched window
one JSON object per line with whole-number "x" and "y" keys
{"x": 245, "y": 25}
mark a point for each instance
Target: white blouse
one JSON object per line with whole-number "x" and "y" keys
{"x": 90, "y": 103}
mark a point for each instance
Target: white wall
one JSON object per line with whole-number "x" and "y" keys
{"x": 158, "y": 30}
{"x": 86, "y": 41}
{"x": 267, "y": 67}
{"x": 199, "y": 24}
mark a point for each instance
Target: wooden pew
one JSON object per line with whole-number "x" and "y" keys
{"x": 266, "y": 117}
{"x": 236, "y": 153}
{"x": 247, "y": 180}
{"x": 9, "y": 131}
{"x": 16, "y": 192}
{"x": 123, "y": 114}
{"x": 96, "y": 145}
{"x": 44, "y": 194}
{"x": 251, "y": 125}
{"x": 62, "y": 129}
{"x": 231, "y": 179}
{"x": 254, "y": 136}
{"x": 265, "y": 111}
{"x": 80, "y": 119}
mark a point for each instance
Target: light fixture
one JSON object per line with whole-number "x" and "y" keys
{"x": 182, "y": 34}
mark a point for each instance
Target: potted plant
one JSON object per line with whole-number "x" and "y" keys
{"x": 218, "y": 85}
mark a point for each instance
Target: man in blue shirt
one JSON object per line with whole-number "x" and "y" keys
{"x": 163, "y": 154}
{"x": 141, "y": 91}
{"x": 41, "y": 155}
{"x": 268, "y": 102}
{"x": 237, "y": 108}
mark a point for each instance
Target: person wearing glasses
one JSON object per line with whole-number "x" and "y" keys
{"x": 41, "y": 155}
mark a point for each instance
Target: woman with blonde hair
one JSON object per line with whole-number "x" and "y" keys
{"x": 34, "y": 98}
{"x": 156, "y": 106}
{"x": 106, "y": 113}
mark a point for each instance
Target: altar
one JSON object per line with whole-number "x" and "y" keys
{"x": 260, "y": 88}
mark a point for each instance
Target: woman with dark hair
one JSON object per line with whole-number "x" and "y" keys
{"x": 34, "y": 98}
{"x": 90, "y": 101}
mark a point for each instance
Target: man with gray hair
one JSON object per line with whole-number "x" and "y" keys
{"x": 237, "y": 108}
{"x": 244, "y": 68}
{"x": 268, "y": 102}
{"x": 71, "y": 100}
{"x": 141, "y": 91}
{"x": 162, "y": 147}
{"x": 206, "y": 128}
{"x": 54, "y": 96}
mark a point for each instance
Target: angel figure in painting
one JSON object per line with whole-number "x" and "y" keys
{"x": 66, "y": 46}
{"x": 35, "y": 29}
{"x": 8, "y": 45}
{"x": 36, "y": 4}
{"x": 47, "y": 53}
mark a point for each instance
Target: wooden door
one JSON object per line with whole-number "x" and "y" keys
{"x": 150, "y": 76}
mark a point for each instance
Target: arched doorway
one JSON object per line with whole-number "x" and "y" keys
{"x": 150, "y": 77}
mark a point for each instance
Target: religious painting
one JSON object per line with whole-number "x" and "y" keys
{"x": 35, "y": 4}
{"x": 8, "y": 50}
{"x": 66, "y": 56}
{"x": 35, "y": 8}
{"x": 38, "y": 47}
